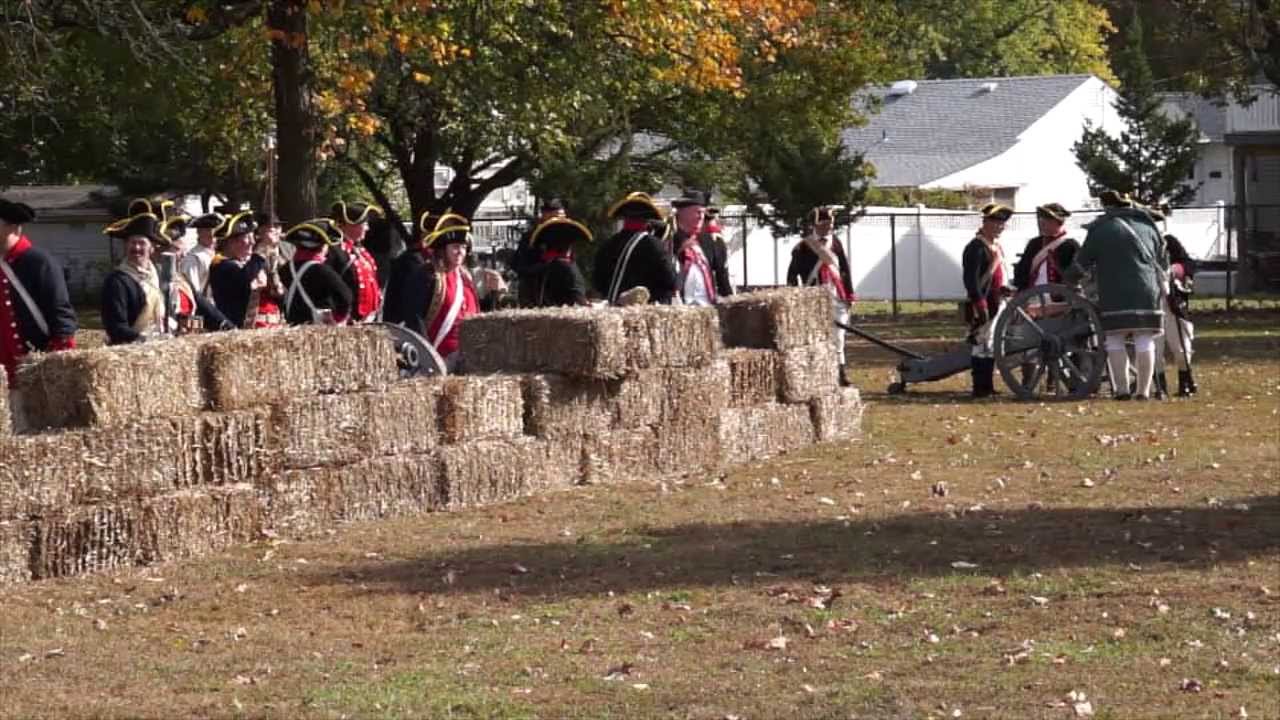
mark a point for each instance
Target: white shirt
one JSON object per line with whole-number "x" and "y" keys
{"x": 695, "y": 290}
{"x": 195, "y": 267}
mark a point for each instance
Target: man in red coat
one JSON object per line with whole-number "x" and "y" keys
{"x": 35, "y": 310}
{"x": 355, "y": 263}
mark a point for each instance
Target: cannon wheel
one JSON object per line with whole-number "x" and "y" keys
{"x": 415, "y": 356}
{"x": 1048, "y": 341}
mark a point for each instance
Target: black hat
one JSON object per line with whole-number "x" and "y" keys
{"x": 560, "y": 232}
{"x": 1053, "y": 211}
{"x": 174, "y": 228}
{"x": 145, "y": 224}
{"x": 239, "y": 224}
{"x": 690, "y": 198}
{"x": 553, "y": 204}
{"x": 16, "y": 213}
{"x": 636, "y": 205}
{"x": 266, "y": 218}
{"x": 211, "y": 221}
{"x": 353, "y": 213}
{"x": 450, "y": 228}
{"x": 311, "y": 234}
{"x": 712, "y": 211}
{"x": 996, "y": 211}
{"x": 1114, "y": 198}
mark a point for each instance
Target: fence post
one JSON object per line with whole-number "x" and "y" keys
{"x": 746, "y": 281}
{"x": 893, "y": 263}
{"x": 775, "y": 260}
{"x": 920, "y": 252}
{"x": 1230, "y": 252}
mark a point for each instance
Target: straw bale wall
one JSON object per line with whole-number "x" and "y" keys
{"x": 6, "y": 426}
{"x": 295, "y": 431}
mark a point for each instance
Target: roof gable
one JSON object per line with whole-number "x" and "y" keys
{"x": 945, "y": 126}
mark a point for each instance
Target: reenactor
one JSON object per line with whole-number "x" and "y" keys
{"x": 195, "y": 264}
{"x": 715, "y": 247}
{"x": 238, "y": 271}
{"x": 527, "y": 261}
{"x": 134, "y": 306}
{"x": 633, "y": 263}
{"x": 695, "y": 260}
{"x": 407, "y": 263}
{"x": 264, "y": 304}
{"x": 1048, "y": 254}
{"x": 983, "y": 268}
{"x": 441, "y": 294}
{"x": 354, "y": 262}
{"x": 819, "y": 259}
{"x": 559, "y": 282}
{"x": 36, "y": 314}
{"x": 1178, "y": 329}
{"x": 1126, "y": 253}
{"x": 314, "y": 293}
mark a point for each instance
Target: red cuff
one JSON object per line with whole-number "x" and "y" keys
{"x": 62, "y": 343}
{"x": 980, "y": 304}
{"x": 1178, "y": 271}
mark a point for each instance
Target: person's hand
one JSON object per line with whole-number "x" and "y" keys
{"x": 981, "y": 314}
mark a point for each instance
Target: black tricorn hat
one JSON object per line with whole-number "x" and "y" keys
{"x": 559, "y": 232}
{"x": 1115, "y": 198}
{"x": 820, "y": 213}
{"x": 1053, "y": 211}
{"x": 690, "y": 198}
{"x": 262, "y": 217}
{"x": 450, "y": 228}
{"x": 174, "y": 228}
{"x": 16, "y": 213}
{"x": 311, "y": 234}
{"x": 210, "y": 221}
{"x": 145, "y": 224}
{"x": 239, "y": 224}
{"x": 996, "y": 211}
{"x": 636, "y": 205}
{"x": 353, "y": 213}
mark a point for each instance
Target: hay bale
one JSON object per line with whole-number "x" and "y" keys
{"x": 303, "y": 502}
{"x": 761, "y": 431}
{"x": 41, "y": 473}
{"x": 110, "y": 386}
{"x": 776, "y": 319}
{"x": 195, "y": 522}
{"x": 404, "y": 419}
{"x": 837, "y": 415}
{"x": 753, "y": 376}
{"x": 659, "y": 336}
{"x": 475, "y": 407}
{"x": 244, "y": 369}
{"x": 618, "y": 456}
{"x": 808, "y": 371}
{"x": 86, "y": 539}
{"x": 489, "y": 471}
{"x": 639, "y": 399}
{"x": 559, "y": 407}
{"x": 321, "y": 430}
{"x": 15, "y": 551}
{"x": 6, "y": 420}
{"x": 585, "y": 342}
{"x": 688, "y": 436}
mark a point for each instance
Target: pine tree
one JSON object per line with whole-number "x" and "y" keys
{"x": 1151, "y": 159}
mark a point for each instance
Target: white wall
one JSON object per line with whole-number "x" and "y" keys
{"x": 1215, "y": 157}
{"x": 1041, "y": 165}
{"x": 81, "y": 249}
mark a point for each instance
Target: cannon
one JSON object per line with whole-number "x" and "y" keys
{"x": 1047, "y": 342}
{"x": 414, "y": 355}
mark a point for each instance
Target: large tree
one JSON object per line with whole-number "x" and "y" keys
{"x": 1154, "y": 154}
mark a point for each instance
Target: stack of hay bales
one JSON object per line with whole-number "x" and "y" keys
{"x": 784, "y": 390}
{"x": 178, "y": 448}
{"x": 161, "y": 450}
{"x": 615, "y": 393}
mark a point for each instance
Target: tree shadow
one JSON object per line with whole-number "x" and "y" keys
{"x": 921, "y": 545}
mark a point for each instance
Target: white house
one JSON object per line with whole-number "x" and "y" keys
{"x": 1007, "y": 139}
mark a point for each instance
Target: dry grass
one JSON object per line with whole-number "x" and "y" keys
{"x": 6, "y": 424}
{"x": 1011, "y": 586}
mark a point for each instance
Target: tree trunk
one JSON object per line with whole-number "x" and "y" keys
{"x": 296, "y": 132}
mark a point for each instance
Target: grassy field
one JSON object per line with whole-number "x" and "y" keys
{"x": 963, "y": 560}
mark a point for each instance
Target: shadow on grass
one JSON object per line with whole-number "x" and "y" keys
{"x": 906, "y": 546}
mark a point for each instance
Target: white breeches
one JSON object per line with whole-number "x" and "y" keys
{"x": 840, "y": 311}
{"x": 1178, "y": 346}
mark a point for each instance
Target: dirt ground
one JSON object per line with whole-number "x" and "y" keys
{"x": 963, "y": 560}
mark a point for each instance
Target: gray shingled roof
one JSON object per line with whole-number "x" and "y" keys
{"x": 948, "y": 125}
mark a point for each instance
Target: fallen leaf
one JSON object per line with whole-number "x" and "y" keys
{"x": 518, "y": 569}
{"x": 963, "y": 565}
{"x": 640, "y": 686}
{"x": 1191, "y": 685}
{"x": 1039, "y": 601}
{"x": 56, "y": 652}
{"x": 619, "y": 671}
{"x": 778, "y": 643}
{"x": 826, "y": 501}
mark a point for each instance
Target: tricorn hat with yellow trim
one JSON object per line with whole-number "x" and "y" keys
{"x": 241, "y": 223}
{"x": 636, "y": 205}
{"x": 312, "y": 234}
{"x": 1053, "y": 211}
{"x": 450, "y": 228}
{"x": 996, "y": 211}
{"x": 1114, "y": 198}
{"x": 821, "y": 213}
{"x": 353, "y": 213}
{"x": 208, "y": 221}
{"x": 559, "y": 232}
{"x": 145, "y": 224}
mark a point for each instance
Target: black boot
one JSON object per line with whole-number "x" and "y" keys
{"x": 1162, "y": 385}
{"x": 981, "y": 370}
{"x": 1186, "y": 384}
{"x": 842, "y": 375}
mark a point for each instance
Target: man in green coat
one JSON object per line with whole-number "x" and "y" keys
{"x": 1126, "y": 253}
